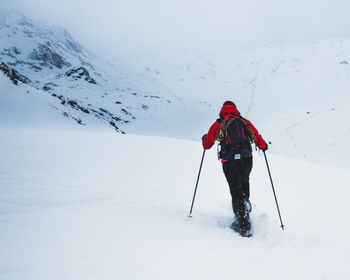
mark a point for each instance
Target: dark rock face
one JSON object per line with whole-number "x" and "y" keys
{"x": 11, "y": 52}
{"x": 79, "y": 73}
{"x": 14, "y": 75}
{"x": 100, "y": 113}
{"x": 47, "y": 57}
{"x": 49, "y": 86}
{"x": 76, "y": 106}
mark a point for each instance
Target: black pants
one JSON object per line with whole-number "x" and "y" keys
{"x": 237, "y": 175}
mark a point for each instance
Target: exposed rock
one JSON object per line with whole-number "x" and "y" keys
{"x": 12, "y": 52}
{"x": 14, "y": 75}
{"x": 78, "y": 120}
{"x": 104, "y": 110}
{"x": 76, "y": 106}
{"x": 47, "y": 57}
{"x": 81, "y": 72}
{"x": 49, "y": 86}
{"x": 125, "y": 112}
{"x": 116, "y": 119}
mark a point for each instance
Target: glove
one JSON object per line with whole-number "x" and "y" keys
{"x": 265, "y": 148}
{"x": 203, "y": 136}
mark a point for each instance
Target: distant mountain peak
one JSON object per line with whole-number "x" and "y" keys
{"x": 35, "y": 46}
{"x": 12, "y": 17}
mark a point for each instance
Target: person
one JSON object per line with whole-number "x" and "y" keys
{"x": 235, "y": 135}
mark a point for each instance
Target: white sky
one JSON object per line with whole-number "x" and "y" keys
{"x": 118, "y": 26}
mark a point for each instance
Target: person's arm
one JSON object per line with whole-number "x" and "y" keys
{"x": 260, "y": 142}
{"x": 208, "y": 139}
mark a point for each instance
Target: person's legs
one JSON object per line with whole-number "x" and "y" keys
{"x": 232, "y": 171}
{"x": 246, "y": 168}
{"x": 237, "y": 175}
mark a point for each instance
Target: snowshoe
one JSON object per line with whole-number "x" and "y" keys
{"x": 242, "y": 226}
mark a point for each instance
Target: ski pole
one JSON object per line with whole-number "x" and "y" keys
{"x": 195, "y": 190}
{"x": 273, "y": 189}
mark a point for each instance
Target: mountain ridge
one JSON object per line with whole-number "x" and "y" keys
{"x": 291, "y": 93}
{"x": 50, "y": 60}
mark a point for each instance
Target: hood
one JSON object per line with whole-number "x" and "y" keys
{"x": 228, "y": 110}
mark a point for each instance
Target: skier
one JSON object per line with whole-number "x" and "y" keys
{"x": 235, "y": 135}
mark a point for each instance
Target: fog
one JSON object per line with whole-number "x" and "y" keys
{"x": 114, "y": 27}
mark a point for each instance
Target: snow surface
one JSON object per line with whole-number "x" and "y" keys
{"x": 100, "y": 205}
{"x": 83, "y": 202}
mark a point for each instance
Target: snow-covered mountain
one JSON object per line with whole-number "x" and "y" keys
{"x": 85, "y": 88}
{"x": 296, "y": 95}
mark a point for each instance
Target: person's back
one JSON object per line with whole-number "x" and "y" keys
{"x": 235, "y": 135}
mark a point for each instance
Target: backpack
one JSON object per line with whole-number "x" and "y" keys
{"x": 235, "y": 138}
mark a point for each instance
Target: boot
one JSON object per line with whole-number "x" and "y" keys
{"x": 242, "y": 225}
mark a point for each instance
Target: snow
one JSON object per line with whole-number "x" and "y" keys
{"x": 84, "y": 202}
{"x": 296, "y": 94}
{"x": 26, "y": 107}
{"x": 132, "y": 101}
{"x": 99, "y": 205}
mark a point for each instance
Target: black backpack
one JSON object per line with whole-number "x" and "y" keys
{"x": 234, "y": 139}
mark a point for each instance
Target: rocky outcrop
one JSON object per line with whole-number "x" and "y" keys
{"x": 80, "y": 73}
{"x": 47, "y": 57}
{"x": 14, "y": 75}
{"x": 100, "y": 113}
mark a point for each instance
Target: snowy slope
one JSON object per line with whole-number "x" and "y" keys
{"x": 85, "y": 87}
{"x": 296, "y": 95}
{"x": 27, "y": 107}
{"x": 88, "y": 205}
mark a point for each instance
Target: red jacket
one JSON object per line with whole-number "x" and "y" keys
{"x": 226, "y": 112}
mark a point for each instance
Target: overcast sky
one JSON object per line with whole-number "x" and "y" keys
{"x": 113, "y": 26}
